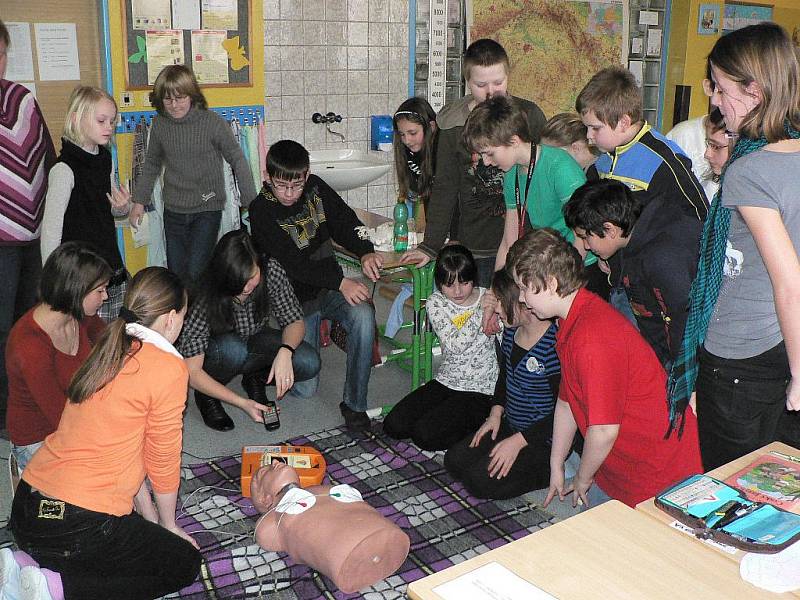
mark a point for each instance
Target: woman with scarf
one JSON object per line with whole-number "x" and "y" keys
{"x": 742, "y": 340}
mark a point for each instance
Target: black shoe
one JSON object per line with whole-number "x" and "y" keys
{"x": 214, "y": 416}
{"x": 353, "y": 419}
{"x": 253, "y": 385}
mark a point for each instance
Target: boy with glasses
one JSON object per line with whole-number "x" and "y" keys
{"x": 295, "y": 219}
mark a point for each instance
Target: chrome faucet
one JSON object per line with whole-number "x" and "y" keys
{"x": 336, "y": 133}
{"x": 328, "y": 119}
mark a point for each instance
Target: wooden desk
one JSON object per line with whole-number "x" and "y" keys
{"x": 610, "y": 552}
{"x": 649, "y": 507}
{"x": 420, "y": 352}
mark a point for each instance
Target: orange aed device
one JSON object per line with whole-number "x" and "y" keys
{"x": 307, "y": 461}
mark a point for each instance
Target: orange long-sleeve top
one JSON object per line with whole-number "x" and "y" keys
{"x": 104, "y": 446}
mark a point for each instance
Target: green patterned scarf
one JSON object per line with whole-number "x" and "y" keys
{"x": 705, "y": 289}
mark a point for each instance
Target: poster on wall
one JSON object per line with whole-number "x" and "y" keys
{"x": 163, "y": 48}
{"x": 209, "y": 57}
{"x": 19, "y": 52}
{"x": 554, "y": 53}
{"x": 151, "y": 14}
{"x": 708, "y": 19}
{"x": 220, "y": 14}
{"x": 57, "y": 51}
{"x": 742, "y": 15}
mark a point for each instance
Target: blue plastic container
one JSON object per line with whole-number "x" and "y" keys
{"x": 382, "y": 130}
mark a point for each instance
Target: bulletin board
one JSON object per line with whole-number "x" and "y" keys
{"x": 52, "y": 95}
{"x": 214, "y": 43}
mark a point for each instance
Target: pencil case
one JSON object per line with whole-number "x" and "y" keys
{"x": 714, "y": 510}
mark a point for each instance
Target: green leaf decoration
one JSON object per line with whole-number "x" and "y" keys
{"x": 141, "y": 54}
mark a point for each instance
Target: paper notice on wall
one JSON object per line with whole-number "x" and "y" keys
{"x": 164, "y": 48}
{"x": 57, "y": 51}
{"x": 20, "y": 53}
{"x": 491, "y": 582}
{"x": 209, "y": 57}
{"x": 151, "y": 14}
{"x": 186, "y": 14}
{"x": 637, "y": 68}
{"x": 220, "y": 14}
{"x": 653, "y": 42}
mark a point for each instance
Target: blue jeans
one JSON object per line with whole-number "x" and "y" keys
{"x": 619, "y": 300}
{"x": 100, "y": 555}
{"x": 228, "y": 355}
{"x": 190, "y": 240}
{"x": 24, "y": 454}
{"x": 20, "y": 268}
{"x": 359, "y": 322}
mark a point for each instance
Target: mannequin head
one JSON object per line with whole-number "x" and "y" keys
{"x": 268, "y": 482}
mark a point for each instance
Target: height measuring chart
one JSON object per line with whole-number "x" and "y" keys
{"x": 437, "y": 61}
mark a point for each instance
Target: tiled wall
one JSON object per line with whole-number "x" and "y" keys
{"x": 345, "y": 56}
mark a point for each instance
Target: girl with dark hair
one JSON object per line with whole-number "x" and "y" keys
{"x": 509, "y": 454}
{"x": 50, "y": 341}
{"x": 73, "y": 510}
{"x": 455, "y": 403}
{"x": 742, "y": 340}
{"x": 227, "y": 333}
{"x": 415, "y": 136}
{"x": 190, "y": 143}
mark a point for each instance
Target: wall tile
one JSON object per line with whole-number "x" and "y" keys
{"x": 378, "y": 104}
{"x": 272, "y": 33}
{"x": 272, "y": 9}
{"x": 335, "y": 10}
{"x": 379, "y": 10}
{"x": 378, "y": 34}
{"x": 314, "y": 135}
{"x": 358, "y": 34}
{"x": 291, "y": 84}
{"x": 313, "y": 10}
{"x": 358, "y": 128}
{"x": 294, "y": 130}
{"x": 291, "y": 33}
{"x": 315, "y": 103}
{"x": 314, "y": 82}
{"x": 293, "y": 107}
{"x": 272, "y": 58}
{"x": 378, "y": 82}
{"x": 398, "y": 34}
{"x": 358, "y": 10}
{"x": 334, "y": 141}
{"x": 336, "y": 57}
{"x": 358, "y": 105}
{"x": 291, "y": 58}
{"x": 314, "y": 58}
{"x": 272, "y": 83}
{"x": 336, "y": 82}
{"x": 291, "y": 9}
{"x": 314, "y": 33}
{"x": 398, "y": 81}
{"x": 378, "y": 57}
{"x": 357, "y": 198}
{"x": 357, "y": 82}
{"x": 337, "y": 103}
{"x": 272, "y": 109}
{"x": 336, "y": 33}
{"x": 357, "y": 57}
{"x": 398, "y": 11}
{"x": 376, "y": 196}
{"x": 274, "y": 131}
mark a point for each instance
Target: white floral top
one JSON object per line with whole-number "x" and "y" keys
{"x": 469, "y": 360}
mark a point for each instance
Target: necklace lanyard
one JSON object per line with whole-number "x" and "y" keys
{"x": 522, "y": 205}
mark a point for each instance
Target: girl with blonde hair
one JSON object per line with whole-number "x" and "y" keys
{"x": 81, "y": 200}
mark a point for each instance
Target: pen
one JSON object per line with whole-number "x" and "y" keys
{"x": 735, "y": 513}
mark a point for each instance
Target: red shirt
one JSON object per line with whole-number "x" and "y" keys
{"x": 39, "y": 375}
{"x": 611, "y": 375}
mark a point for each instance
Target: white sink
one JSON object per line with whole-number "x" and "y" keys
{"x": 347, "y": 169}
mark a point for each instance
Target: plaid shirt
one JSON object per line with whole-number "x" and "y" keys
{"x": 283, "y": 305}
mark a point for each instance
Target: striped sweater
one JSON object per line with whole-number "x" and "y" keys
{"x": 26, "y": 152}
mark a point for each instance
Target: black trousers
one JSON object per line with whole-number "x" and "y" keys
{"x": 436, "y": 417}
{"x": 101, "y": 556}
{"x": 741, "y": 404}
{"x": 530, "y": 471}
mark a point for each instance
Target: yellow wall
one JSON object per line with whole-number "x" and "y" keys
{"x": 136, "y": 258}
{"x": 686, "y": 63}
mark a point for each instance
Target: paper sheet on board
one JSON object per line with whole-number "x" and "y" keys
{"x": 57, "y": 51}
{"x": 20, "y": 53}
{"x": 492, "y": 581}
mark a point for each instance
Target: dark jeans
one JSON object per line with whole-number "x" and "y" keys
{"x": 190, "y": 240}
{"x": 20, "y": 268}
{"x": 530, "y": 471}
{"x": 485, "y": 272}
{"x": 740, "y": 403}
{"x": 228, "y": 355}
{"x": 101, "y": 556}
{"x": 436, "y": 417}
{"x": 359, "y": 323}
{"x": 619, "y": 300}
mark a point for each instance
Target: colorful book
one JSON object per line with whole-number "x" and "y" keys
{"x": 773, "y": 478}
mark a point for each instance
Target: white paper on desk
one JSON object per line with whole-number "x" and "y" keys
{"x": 492, "y": 581}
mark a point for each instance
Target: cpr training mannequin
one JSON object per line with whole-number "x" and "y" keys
{"x": 331, "y": 529}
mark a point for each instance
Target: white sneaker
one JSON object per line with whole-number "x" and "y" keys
{"x": 33, "y": 584}
{"x": 9, "y": 576}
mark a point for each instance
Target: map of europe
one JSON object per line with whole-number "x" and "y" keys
{"x": 554, "y": 46}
